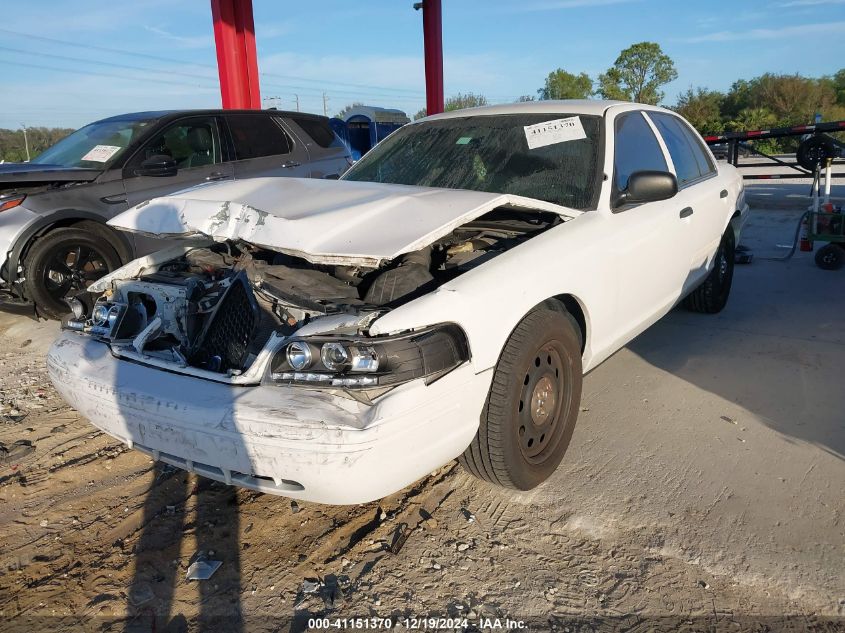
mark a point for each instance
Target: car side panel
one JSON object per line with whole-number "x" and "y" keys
{"x": 488, "y": 301}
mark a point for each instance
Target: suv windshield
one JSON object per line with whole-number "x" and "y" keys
{"x": 95, "y": 146}
{"x": 490, "y": 153}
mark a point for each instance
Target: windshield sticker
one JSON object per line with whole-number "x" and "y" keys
{"x": 464, "y": 140}
{"x": 552, "y": 132}
{"x": 101, "y": 153}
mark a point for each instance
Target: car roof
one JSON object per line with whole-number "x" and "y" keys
{"x": 151, "y": 115}
{"x": 569, "y": 106}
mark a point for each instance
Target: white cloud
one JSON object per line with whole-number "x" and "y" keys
{"x": 769, "y": 34}
{"x": 184, "y": 41}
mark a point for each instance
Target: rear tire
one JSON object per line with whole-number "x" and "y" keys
{"x": 64, "y": 263}
{"x": 533, "y": 403}
{"x": 712, "y": 295}
{"x": 830, "y": 257}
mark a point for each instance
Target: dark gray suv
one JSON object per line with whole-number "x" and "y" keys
{"x": 54, "y": 240}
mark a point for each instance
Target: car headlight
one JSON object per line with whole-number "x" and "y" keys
{"x": 366, "y": 362}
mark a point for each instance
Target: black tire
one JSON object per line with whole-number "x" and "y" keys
{"x": 830, "y": 257}
{"x": 813, "y": 151}
{"x": 62, "y": 264}
{"x": 712, "y": 295}
{"x": 533, "y": 404}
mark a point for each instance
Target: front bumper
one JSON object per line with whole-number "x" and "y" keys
{"x": 292, "y": 441}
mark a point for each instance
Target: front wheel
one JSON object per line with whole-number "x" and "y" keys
{"x": 62, "y": 264}
{"x": 527, "y": 422}
{"x": 712, "y": 295}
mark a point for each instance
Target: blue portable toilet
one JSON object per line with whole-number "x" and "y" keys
{"x": 367, "y": 125}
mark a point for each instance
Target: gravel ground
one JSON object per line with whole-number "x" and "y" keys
{"x": 702, "y": 492}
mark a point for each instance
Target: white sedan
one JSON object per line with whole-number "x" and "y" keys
{"x": 335, "y": 341}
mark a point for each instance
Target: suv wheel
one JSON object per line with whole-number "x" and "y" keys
{"x": 62, "y": 264}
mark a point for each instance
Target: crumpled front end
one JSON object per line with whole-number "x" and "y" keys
{"x": 264, "y": 369}
{"x": 309, "y": 444}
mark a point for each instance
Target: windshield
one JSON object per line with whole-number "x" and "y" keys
{"x": 95, "y": 146}
{"x": 491, "y": 153}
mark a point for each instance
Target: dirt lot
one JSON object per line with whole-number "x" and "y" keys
{"x": 703, "y": 491}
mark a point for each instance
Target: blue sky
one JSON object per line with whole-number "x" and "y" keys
{"x": 68, "y": 63}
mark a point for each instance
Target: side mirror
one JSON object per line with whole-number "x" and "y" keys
{"x": 158, "y": 165}
{"x": 647, "y": 186}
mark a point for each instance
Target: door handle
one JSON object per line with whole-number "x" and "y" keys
{"x": 290, "y": 163}
{"x": 686, "y": 212}
{"x": 723, "y": 193}
{"x": 216, "y": 176}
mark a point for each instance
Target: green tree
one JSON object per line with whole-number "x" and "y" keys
{"x": 637, "y": 74}
{"x": 738, "y": 98}
{"x": 525, "y": 98}
{"x": 421, "y": 114}
{"x": 702, "y": 108}
{"x": 839, "y": 86}
{"x": 563, "y": 85}
{"x": 468, "y": 100}
{"x": 792, "y": 98}
{"x": 13, "y": 149}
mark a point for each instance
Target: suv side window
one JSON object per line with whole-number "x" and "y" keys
{"x": 318, "y": 129}
{"x": 192, "y": 142}
{"x": 637, "y": 149}
{"x": 691, "y": 161}
{"x": 257, "y": 135}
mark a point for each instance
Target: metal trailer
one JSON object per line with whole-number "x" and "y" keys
{"x": 812, "y": 151}
{"x": 825, "y": 222}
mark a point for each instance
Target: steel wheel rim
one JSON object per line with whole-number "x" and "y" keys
{"x": 72, "y": 268}
{"x": 541, "y": 400}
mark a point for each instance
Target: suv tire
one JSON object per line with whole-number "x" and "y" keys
{"x": 63, "y": 263}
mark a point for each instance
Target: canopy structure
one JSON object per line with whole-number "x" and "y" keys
{"x": 237, "y": 61}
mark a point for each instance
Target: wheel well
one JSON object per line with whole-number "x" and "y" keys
{"x": 571, "y": 305}
{"x": 737, "y": 215}
{"x": 120, "y": 244}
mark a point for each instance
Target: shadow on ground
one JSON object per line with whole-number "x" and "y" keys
{"x": 770, "y": 351}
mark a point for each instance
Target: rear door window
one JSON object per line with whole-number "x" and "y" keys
{"x": 318, "y": 129}
{"x": 637, "y": 149}
{"x": 691, "y": 161}
{"x": 256, "y": 136}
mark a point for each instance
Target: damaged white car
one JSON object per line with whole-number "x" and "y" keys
{"x": 335, "y": 341}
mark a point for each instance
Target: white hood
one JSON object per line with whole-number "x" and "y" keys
{"x": 322, "y": 221}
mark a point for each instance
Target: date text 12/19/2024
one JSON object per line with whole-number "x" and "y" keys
{"x": 416, "y": 623}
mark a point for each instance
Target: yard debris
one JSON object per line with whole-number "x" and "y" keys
{"x": 294, "y": 506}
{"x": 311, "y": 586}
{"x": 15, "y": 451}
{"x": 202, "y": 569}
{"x": 400, "y": 536}
{"x": 140, "y": 593}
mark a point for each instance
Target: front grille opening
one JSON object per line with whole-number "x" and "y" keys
{"x": 224, "y": 345}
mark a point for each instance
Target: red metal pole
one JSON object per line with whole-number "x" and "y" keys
{"x": 433, "y": 41}
{"x": 237, "y": 61}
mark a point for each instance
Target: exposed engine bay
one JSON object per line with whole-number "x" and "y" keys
{"x": 215, "y": 308}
